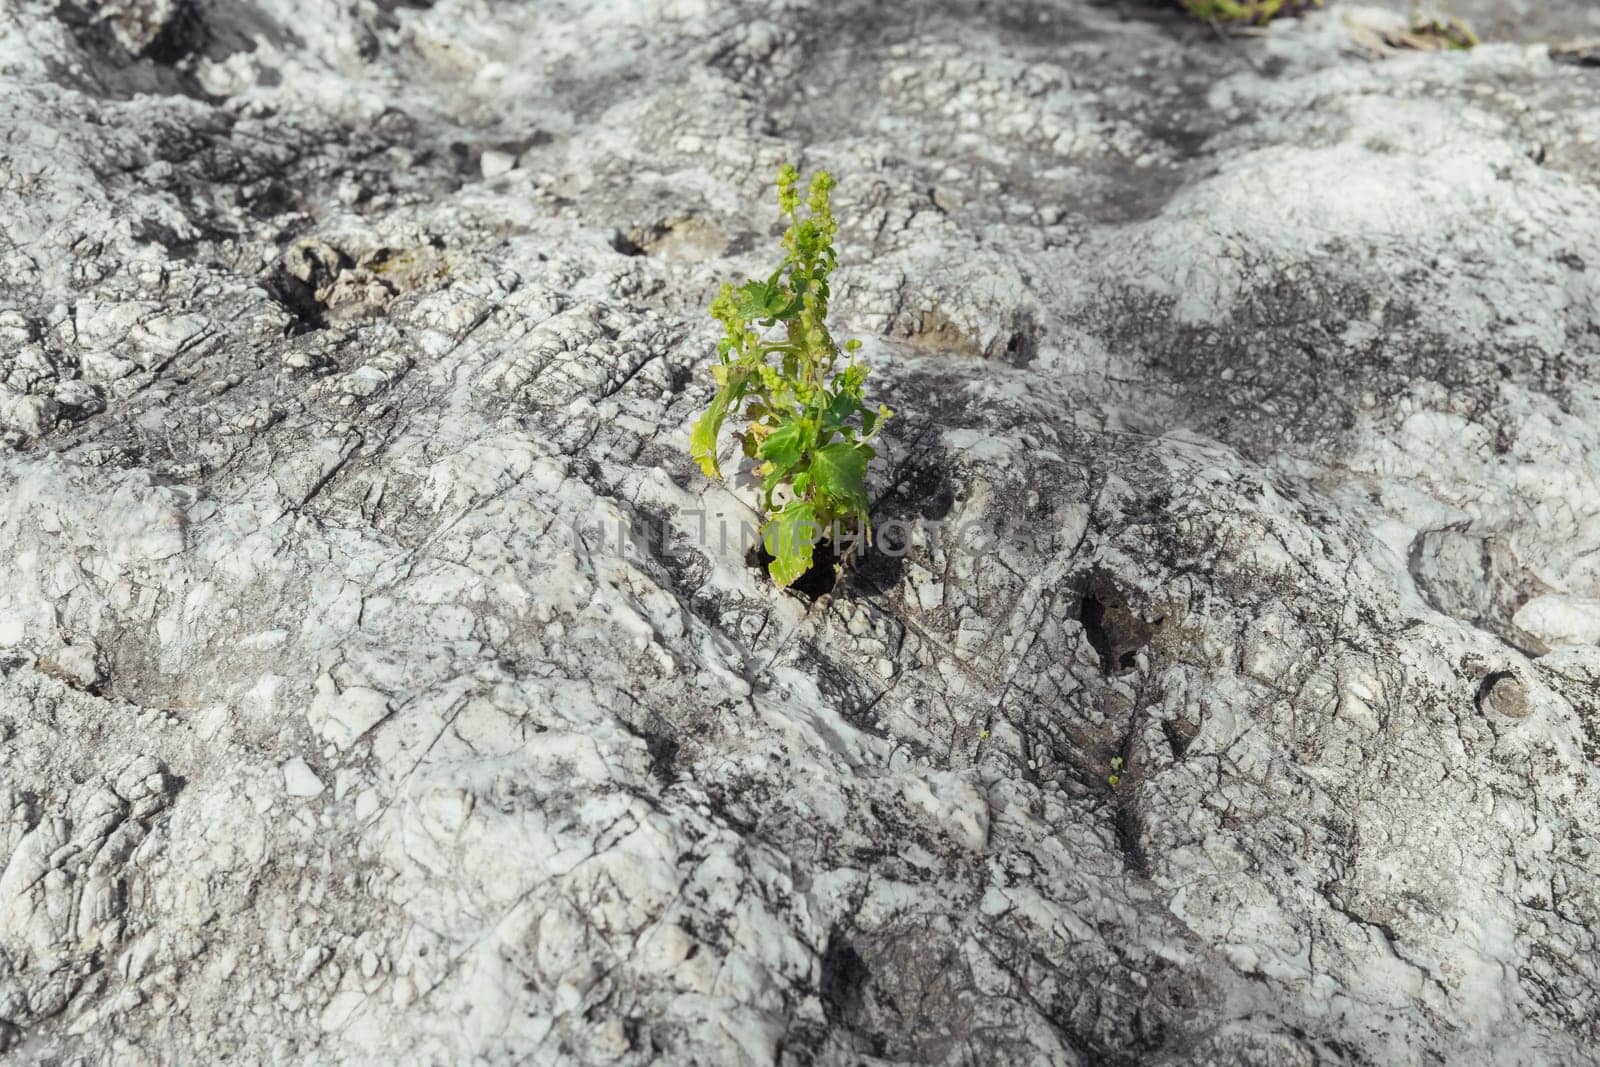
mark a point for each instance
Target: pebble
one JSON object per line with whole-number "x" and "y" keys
{"x": 299, "y": 780}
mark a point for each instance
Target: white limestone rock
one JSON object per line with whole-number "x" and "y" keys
{"x": 375, "y": 685}
{"x": 345, "y": 716}
{"x": 299, "y": 780}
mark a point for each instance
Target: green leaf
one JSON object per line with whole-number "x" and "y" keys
{"x": 789, "y": 538}
{"x": 758, "y": 300}
{"x": 782, "y": 450}
{"x": 840, "y": 470}
{"x": 784, "y": 446}
{"x": 842, "y": 407}
{"x": 703, "y": 435}
{"x": 769, "y": 484}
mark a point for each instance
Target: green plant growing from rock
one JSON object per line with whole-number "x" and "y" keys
{"x": 807, "y": 421}
{"x": 1437, "y": 30}
{"x": 1256, "y": 11}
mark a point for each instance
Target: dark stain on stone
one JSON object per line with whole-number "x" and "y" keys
{"x": 844, "y": 979}
{"x": 1180, "y": 734}
{"x": 1129, "y": 830}
{"x": 624, "y": 244}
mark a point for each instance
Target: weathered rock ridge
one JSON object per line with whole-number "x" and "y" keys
{"x": 370, "y": 694}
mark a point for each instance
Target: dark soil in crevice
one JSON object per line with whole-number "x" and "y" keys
{"x": 1113, "y": 629}
{"x": 820, "y": 580}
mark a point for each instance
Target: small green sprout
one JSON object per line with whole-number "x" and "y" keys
{"x": 1259, "y": 12}
{"x": 1440, "y": 33}
{"x": 807, "y": 419}
{"x": 1116, "y": 767}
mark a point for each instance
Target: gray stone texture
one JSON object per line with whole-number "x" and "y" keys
{"x": 1252, "y": 379}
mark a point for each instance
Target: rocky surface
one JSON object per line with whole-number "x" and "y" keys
{"x": 369, "y": 693}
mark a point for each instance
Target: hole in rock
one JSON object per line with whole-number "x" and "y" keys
{"x": 621, "y": 242}
{"x": 183, "y": 35}
{"x": 817, "y": 581}
{"x": 296, "y": 297}
{"x": 843, "y": 980}
{"x": 1114, "y": 631}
